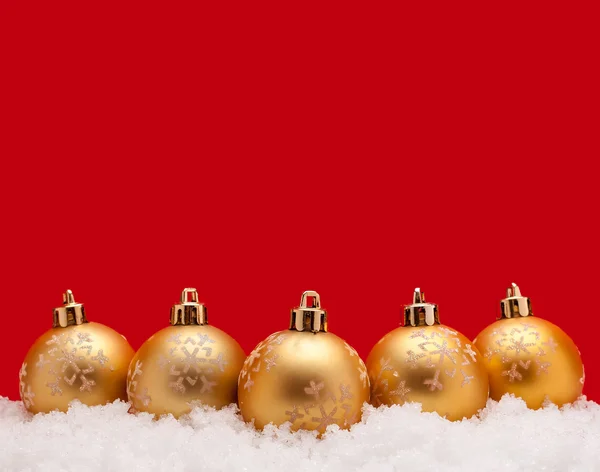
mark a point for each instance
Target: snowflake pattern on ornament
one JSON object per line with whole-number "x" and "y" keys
{"x": 324, "y": 407}
{"x": 513, "y": 373}
{"x": 469, "y": 351}
{"x": 70, "y": 360}
{"x": 400, "y": 391}
{"x": 379, "y": 386}
{"x": 434, "y": 382}
{"x": 132, "y": 385}
{"x": 326, "y": 418}
{"x": 324, "y": 403}
{"x": 262, "y": 354}
{"x": 542, "y": 366}
{"x": 24, "y": 389}
{"x": 363, "y": 374}
{"x": 314, "y": 389}
{"x": 350, "y": 350}
{"x": 551, "y": 343}
{"x": 437, "y": 346}
{"x": 466, "y": 378}
{"x": 294, "y": 414}
{"x": 522, "y": 340}
{"x": 197, "y": 363}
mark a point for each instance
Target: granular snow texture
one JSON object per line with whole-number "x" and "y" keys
{"x": 507, "y": 436}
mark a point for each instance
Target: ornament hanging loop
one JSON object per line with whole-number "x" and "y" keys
{"x": 309, "y": 318}
{"x": 310, "y": 294}
{"x": 68, "y": 298}
{"x": 515, "y": 305}
{"x": 189, "y": 311}
{"x": 189, "y": 295}
{"x": 71, "y": 313}
{"x": 418, "y": 296}
{"x": 421, "y": 313}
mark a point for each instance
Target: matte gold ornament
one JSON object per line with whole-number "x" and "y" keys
{"x": 530, "y": 357}
{"x": 186, "y": 363}
{"x": 75, "y": 360}
{"x": 304, "y": 375}
{"x": 429, "y": 363}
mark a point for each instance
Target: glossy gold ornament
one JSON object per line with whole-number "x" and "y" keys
{"x": 530, "y": 357}
{"x": 75, "y": 360}
{"x": 429, "y": 363}
{"x": 304, "y": 375}
{"x": 186, "y": 363}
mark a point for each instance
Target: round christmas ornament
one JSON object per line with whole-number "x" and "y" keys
{"x": 530, "y": 357}
{"x": 185, "y": 363}
{"x": 76, "y": 359}
{"x": 429, "y": 363}
{"x": 304, "y": 375}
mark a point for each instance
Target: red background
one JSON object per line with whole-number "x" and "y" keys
{"x": 255, "y": 151}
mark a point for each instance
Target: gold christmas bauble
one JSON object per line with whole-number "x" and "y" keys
{"x": 75, "y": 360}
{"x": 530, "y": 357}
{"x": 304, "y": 375}
{"x": 186, "y": 363}
{"x": 429, "y": 363}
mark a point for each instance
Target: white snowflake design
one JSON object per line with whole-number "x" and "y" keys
{"x": 294, "y": 414}
{"x": 466, "y": 378}
{"x": 400, "y": 391}
{"x": 363, "y": 375}
{"x": 513, "y": 373}
{"x": 324, "y": 403}
{"x": 132, "y": 385}
{"x": 263, "y": 355}
{"x": 190, "y": 361}
{"x": 69, "y": 359}
{"x": 350, "y": 349}
{"x": 324, "y": 407}
{"x": 434, "y": 383}
{"x": 380, "y": 385}
{"x": 314, "y": 388}
{"x": 436, "y": 348}
{"x": 435, "y": 353}
{"x": 521, "y": 340}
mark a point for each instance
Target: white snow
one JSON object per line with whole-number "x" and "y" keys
{"x": 507, "y": 436}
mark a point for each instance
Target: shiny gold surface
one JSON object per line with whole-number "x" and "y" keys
{"x": 532, "y": 359}
{"x": 421, "y": 313}
{"x": 309, "y": 379}
{"x": 184, "y": 364}
{"x": 432, "y": 365}
{"x": 515, "y": 305}
{"x": 189, "y": 311}
{"x": 87, "y": 362}
{"x": 309, "y": 316}
{"x": 71, "y": 313}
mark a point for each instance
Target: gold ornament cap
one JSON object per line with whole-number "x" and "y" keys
{"x": 71, "y": 313}
{"x": 309, "y": 318}
{"x": 515, "y": 305}
{"x": 189, "y": 311}
{"x": 420, "y": 313}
